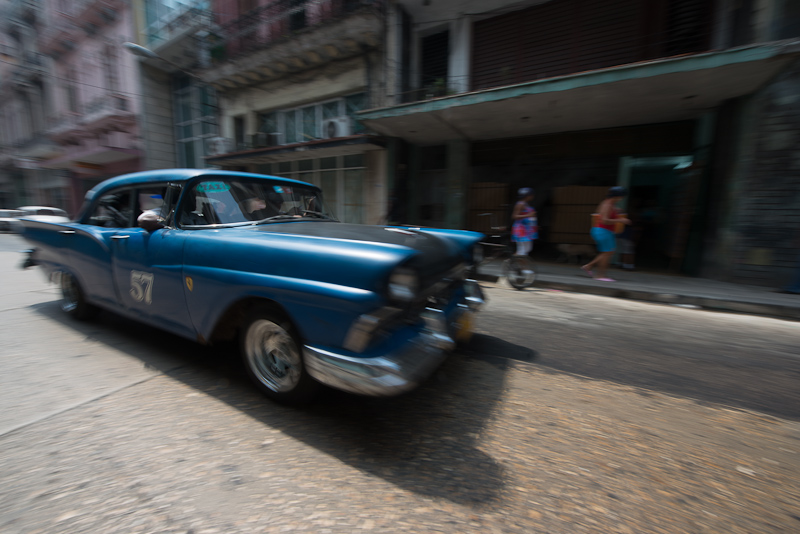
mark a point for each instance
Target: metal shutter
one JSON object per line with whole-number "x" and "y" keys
{"x": 569, "y": 36}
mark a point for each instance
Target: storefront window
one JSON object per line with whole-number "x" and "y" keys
{"x": 268, "y": 122}
{"x": 329, "y": 189}
{"x": 309, "y": 124}
{"x": 354, "y": 104}
{"x": 331, "y": 110}
{"x": 340, "y": 177}
{"x": 353, "y": 196}
{"x": 290, "y": 125}
{"x": 305, "y": 124}
{"x": 196, "y": 122}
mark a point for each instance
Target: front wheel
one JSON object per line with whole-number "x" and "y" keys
{"x": 519, "y": 271}
{"x": 73, "y": 301}
{"x": 273, "y": 358}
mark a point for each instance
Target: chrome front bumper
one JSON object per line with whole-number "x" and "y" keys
{"x": 405, "y": 367}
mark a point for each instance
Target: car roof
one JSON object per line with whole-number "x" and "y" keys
{"x": 177, "y": 175}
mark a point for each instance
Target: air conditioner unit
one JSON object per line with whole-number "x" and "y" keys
{"x": 261, "y": 139}
{"x": 219, "y": 145}
{"x": 337, "y": 127}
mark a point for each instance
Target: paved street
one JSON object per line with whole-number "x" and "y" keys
{"x": 567, "y": 413}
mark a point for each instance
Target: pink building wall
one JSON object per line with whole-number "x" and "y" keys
{"x": 95, "y": 99}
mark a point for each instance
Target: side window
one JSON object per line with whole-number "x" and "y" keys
{"x": 197, "y": 208}
{"x": 113, "y": 210}
{"x": 173, "y": 193}
{"x": 151, "y": 199}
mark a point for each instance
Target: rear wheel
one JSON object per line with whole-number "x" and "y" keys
{"x": 73, "y": 301}
{"x": 273, "y": 358}
{"x": 519, "y": 271}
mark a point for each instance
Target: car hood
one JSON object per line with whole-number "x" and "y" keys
{"x": 379, "y": 235}
{"x": 348, "y": 254}
{"x": 429, "y": 254}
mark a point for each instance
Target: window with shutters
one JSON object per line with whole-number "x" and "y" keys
{"x": 569, "y": 36}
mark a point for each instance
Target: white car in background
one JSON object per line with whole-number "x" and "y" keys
{"x": 39, "y": 213}
{"x": 8, "y": 218}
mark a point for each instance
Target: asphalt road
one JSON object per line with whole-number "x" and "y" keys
{"x": 566, "y": 413}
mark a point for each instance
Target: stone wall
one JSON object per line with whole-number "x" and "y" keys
{"x": 766, "y": 216}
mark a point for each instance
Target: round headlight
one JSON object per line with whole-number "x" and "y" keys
{"x": 403, "y": 285}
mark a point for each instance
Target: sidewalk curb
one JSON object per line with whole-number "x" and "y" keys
{"x": 708, "y": 303}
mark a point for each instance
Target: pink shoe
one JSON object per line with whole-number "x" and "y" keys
{"x": 587, "y": 271}
{"x": 605, "y": 279}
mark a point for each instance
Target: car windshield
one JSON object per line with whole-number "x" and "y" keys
{"x": 241, "y": 201}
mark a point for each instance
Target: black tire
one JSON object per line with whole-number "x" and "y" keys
{"x": 273, "y": 358}
{"x": 519, "y": 272}
{"x": 73, "y": 301}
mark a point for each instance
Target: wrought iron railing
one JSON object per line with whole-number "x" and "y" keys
{"x": 104, "y": 104}
{"x": 279, "y": 20}
{"x": 195, "y": 15}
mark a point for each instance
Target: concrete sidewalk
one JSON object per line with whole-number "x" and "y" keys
{"x": 666, "y": 289}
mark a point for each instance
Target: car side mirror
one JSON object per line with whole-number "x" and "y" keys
{"x": 150, "y": 221}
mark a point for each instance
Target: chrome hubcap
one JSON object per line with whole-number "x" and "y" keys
{"x": 272, "y": 355}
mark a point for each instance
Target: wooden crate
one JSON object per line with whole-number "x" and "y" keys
{"x": 488, "y": 195}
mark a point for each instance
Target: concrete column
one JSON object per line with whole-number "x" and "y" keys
{"x": 375, "y": 181}
{"x": 460, "y": 53}
{"x": 157, "y": 128}
{"x": 414, "y": 185}
{"x": 459, "y": 176}
{"x": 393, "y": 46}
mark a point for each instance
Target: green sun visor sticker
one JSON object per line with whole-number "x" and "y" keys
{"x": 213, "y": 187}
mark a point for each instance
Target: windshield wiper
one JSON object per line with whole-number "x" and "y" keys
{"x": 309, "y": 213}
{"x": 306, "y": 214}
{"x": 278, "y": 217}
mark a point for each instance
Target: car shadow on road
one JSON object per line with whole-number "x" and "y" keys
{"x": 425, "y": 441}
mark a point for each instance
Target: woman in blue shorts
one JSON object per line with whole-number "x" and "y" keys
{"x": 603, "y": 234}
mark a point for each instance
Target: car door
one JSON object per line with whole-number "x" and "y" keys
{"x": 148, "y": 268}
{"x": 91, "y": 243}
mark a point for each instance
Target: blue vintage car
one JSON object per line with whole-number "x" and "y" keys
{"x": 217, "y": 255}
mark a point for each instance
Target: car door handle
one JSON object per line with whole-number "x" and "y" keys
{"x": 66, "y": 232}
{"x": 120, "y": 236}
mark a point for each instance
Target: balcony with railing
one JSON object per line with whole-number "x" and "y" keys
{"x": 552, "y": 39}
{"x": 82, "y": 18}
{"x": 554, "y": 68}
{"x": 59, "y": 34}
{"x": 105, "y": 111}
{"x": 289, "y": 36}
{"x": 175, "y": 23}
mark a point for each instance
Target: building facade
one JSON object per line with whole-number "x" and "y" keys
{"x": 25, "y": 89}
{"x": 689, "y": 103}
{"x": 94, "y": 105}
{"x": 290, "y": 77}
{"x": 180, "y": 112}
